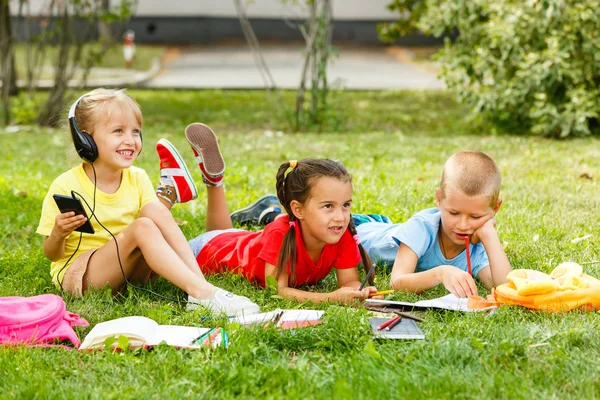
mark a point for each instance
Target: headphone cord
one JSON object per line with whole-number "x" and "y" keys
{"x": 92, "y": 209}
{"x": 93, "y": 215}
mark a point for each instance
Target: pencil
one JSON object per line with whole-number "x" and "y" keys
{"x": 393, "y": 324}
{"x": 277, "y": 318}
{"x": 209, "y": 340}
{"x": 199, "y": 338}
{"x": 381, "y": 293}
{"x": 364, "y": 282}
{"x": 388, "y": 322}
{"x": 409, "y": 316}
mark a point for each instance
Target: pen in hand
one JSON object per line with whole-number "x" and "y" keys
{"x": 369, "y": 274}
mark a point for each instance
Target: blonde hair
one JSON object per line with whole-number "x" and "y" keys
{"x": 91, "y": 106}
{"x": 473, "y": 173}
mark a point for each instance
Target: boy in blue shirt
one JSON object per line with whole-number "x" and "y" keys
{"x": 429, "y": 248}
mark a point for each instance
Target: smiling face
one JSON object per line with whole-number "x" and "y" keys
{"x": 462, "y": 215}
{"x": 325, "y": 215}
{"x": 117, "y": 133}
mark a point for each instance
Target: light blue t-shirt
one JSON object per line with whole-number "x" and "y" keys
{"x": 419, "y": 233}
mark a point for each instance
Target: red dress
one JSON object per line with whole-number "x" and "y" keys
{"x": 247, "y": 252}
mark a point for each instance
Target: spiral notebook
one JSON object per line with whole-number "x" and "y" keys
{"x": 448, "y": 302}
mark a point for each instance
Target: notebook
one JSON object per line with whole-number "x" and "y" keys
{"x": 145, "y": 332}
{"x": 284, "y": 319}
{"x": 448, "y": 302}
{"x": 406, "y": 329}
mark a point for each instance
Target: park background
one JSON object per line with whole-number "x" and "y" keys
{"x": 521, "y": 85}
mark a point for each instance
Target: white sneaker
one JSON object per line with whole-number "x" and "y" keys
{"x": 225, "y": 302}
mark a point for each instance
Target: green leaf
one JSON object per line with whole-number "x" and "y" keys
{"x": 477, "y": 344}
{"x": 123, "y": 342}
{"x": 109, "y": 342}
{"x": 371, "y": 351}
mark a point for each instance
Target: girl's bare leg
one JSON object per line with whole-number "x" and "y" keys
{"x": 143, "y": 240}
{"x": 171, "y": 232}
{"x": 217, "y": 212}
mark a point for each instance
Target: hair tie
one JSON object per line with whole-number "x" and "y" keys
{"x": 293, "y": 164}
{"x": 356, "y": 239}
{"x": 292, "y": 224}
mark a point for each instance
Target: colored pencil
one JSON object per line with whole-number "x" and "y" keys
{"x": 210, "y": 339}
{"x": 274, "y": 321}
{"x": 409, "y": 316}
{"x": 199, "y": 338}
{"x": 388, "y": 322}
{"x": 277, "y": 318}
{"x": 364, "y": 282}
{"x": 468, "y": 255}
{"x": 393, "y": 324}
{"x": 381, "y": 293}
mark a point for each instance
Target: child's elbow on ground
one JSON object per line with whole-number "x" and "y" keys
{"x": 397, "y": 282}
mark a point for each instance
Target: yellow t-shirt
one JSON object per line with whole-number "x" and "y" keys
{"x": 115, "y": 211}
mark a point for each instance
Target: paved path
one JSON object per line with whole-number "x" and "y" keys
{"x": 230, "y": 67}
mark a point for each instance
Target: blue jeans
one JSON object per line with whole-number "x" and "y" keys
{"x": 200, "y": 241}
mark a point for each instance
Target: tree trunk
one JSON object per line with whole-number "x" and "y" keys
{"x": 50, "y": 114}
{"x": 310, "y": 39}
{"x": 7, "y": 60}
{"x": 104, "y": 31}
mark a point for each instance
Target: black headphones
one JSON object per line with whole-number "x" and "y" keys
{"x": 83, "y": 141}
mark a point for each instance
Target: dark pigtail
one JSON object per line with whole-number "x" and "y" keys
{"x": 366, "y": 260}
{"x": 288, "y": 247}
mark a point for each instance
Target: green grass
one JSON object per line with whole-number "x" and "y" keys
{"x": 113, "y": 58}
{"x": 394, "y": 144}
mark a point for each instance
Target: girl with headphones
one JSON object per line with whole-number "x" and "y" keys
{"x": 135, "y": 234}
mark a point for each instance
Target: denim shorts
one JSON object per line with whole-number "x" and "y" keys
{"x": 200, "y": 241}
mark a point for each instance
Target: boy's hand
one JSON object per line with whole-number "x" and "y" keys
{"x": 458, "y": 282}
{"x": 348, "y": 295}
{"x": 66, "y": 223}
{"x": 484, "y": 231}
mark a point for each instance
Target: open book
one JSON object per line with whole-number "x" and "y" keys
{"x": 144, "y": 332}
{"x": 448, "y": 302}
{"x": 284, "y": 319}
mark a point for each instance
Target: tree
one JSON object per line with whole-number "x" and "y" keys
{"x": 75, "y": 50}
{"x": 529, "y": 65}
{"x": 68, "y": 37}
{"x": 317, "y": 32}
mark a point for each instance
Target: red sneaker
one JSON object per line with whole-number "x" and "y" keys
{"x": 176, "y": 183}
{"x": 206, "y": 149}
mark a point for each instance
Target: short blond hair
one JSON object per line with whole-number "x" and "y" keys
{"x": 93, "y": 104}
{"x": 474, "y": 173}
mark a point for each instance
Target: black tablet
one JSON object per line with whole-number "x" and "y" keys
{"x": 68, "y": 203}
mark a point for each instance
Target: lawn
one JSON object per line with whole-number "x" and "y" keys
{"x": 113, "y": 58}
{"x": 394, "y": 144}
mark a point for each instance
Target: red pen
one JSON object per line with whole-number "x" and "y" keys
{"x": 468, "y": 255}
{"x": 389, "y": 322}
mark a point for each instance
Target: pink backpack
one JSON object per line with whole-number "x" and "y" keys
{"x": 37, "y": 320}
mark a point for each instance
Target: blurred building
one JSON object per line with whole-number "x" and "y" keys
{"x": 209, "y": 21}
